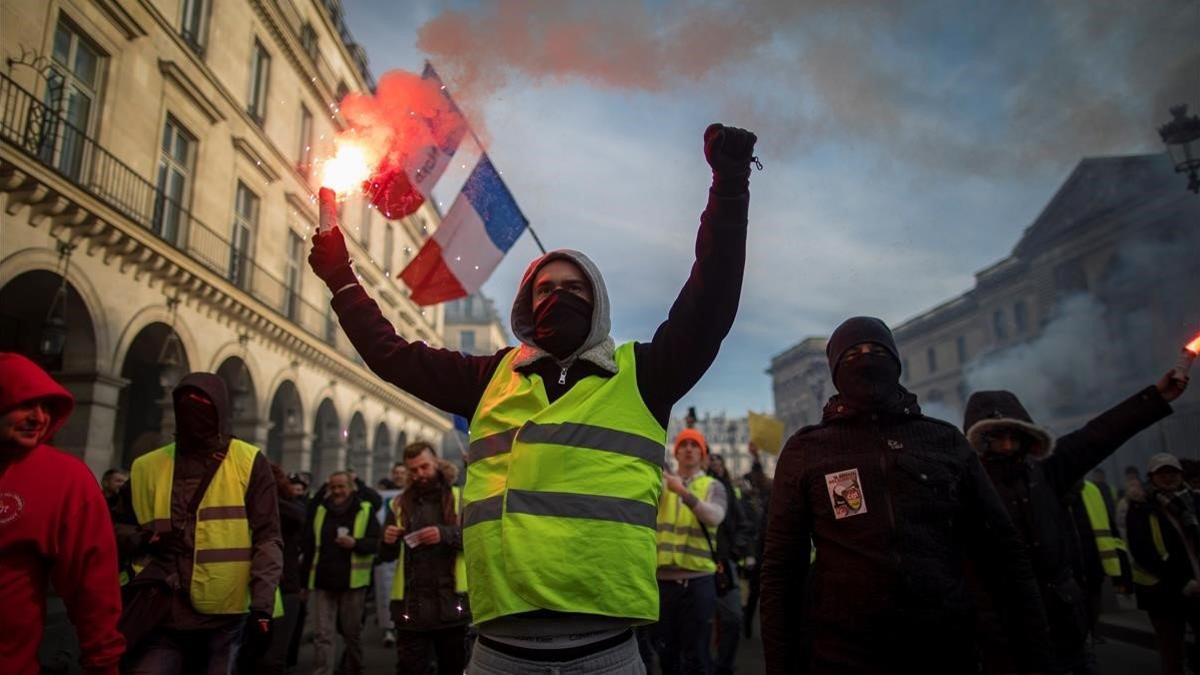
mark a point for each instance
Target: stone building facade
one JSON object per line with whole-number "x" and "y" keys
{"x": 1094, "y": 302}
{"x": 167, "y": 147}
{"x": 801, "y": 383}
{"x": 473, "y": 326}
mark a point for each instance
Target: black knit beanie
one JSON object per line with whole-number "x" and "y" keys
{"x": 857, "y": 330}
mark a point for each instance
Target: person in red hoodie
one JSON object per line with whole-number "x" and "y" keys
{"x": 54, "y": 527}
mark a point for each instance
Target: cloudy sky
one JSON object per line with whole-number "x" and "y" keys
{"x": 906, "y": 144}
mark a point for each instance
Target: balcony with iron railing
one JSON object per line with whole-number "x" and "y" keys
{"x": 39, "y": 132}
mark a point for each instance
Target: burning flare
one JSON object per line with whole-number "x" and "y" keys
{"x": 351, "y": 165}
{"x": 1187, "y": 357}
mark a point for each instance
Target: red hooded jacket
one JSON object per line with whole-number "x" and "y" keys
{"x": 54, "y": 526}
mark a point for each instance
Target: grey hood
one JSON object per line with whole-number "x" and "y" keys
{"x": 598, "y": 348}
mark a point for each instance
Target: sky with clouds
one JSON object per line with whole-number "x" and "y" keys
{"x": 906, "y": 144}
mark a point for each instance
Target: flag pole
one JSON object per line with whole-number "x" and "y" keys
{"x": 478, "y": 142}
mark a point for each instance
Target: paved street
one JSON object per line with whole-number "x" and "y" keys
{"x": 1114, "y": 657}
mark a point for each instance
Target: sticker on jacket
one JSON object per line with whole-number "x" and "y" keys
{"x": 845, "y": 493}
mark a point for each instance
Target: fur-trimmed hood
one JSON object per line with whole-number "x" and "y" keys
{"x": 993, "y": 410}
{"x": 598, "y": 348}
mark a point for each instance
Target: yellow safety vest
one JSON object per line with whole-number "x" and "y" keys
{"x": 360, "y": 563}
{"x": 1107, "y": 543}
{"x": 561, "y": 498}
{"x": 681, "y": 541}
{"x": 460, "y": 563}
{"x": 1140, "y": 576}
{"x": 221, "y": 558}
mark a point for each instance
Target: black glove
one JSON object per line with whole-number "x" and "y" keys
{"x": 330, "y": 259}
{"x": 729, "y": 150}
{"x": 258, "y": 633}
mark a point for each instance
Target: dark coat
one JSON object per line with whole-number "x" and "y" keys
{"x": 430, "y": 601}
{"x": 333, "y": 565}
{"x": 1037, "y": 495}
{"x": 292, "y": 516}
{"x": 888, "y": 591}
{"x": 1173, "y": 573}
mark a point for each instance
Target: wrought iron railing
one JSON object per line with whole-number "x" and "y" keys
{"x": 40, "y": 132}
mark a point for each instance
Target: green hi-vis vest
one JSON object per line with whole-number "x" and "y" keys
{"x": 221, "y": 559}
{"x": 1106, "y": 542}
{"x": 360, "y": 563}
{"x": 560, "y": 500}
{"x": 1140, "y": 576}
{"x": 460, "y": 563}
{"x": 681, "y": 542}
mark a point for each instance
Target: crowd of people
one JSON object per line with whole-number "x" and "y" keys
{"x": 886, "y": 542}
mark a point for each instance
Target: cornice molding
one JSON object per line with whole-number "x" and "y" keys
{"x": 245, "y": 149}
{"x": 174, "y": 74}
{"x": 122, "y": 19}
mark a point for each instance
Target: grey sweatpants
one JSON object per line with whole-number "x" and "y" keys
{"x": 331, "y": 610}
{"x": 622, "y": 659}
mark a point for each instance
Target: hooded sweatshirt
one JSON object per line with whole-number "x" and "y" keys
{"x": 171, "y": 555}
{"x": 668, "y": 366}
{"x": 54, "y": 527}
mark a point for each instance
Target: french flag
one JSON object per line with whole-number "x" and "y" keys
{"x": 482, "y": 225}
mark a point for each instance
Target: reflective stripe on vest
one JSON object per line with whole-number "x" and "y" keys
{"x": 560, "y": 501}
{"x": 1140, "y": 576}
{"x": 1106, "y": 543}
{"x": 460, "y": 563}
{"x": 221, "y": 559}
{"x": 681, "y": 541}
{"x": 360, "y": 563}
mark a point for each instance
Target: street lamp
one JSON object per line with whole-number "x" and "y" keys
{"x": 1182, "y": 136}
{"x": 170, "y": 369}
{"x": 53, "y": 339}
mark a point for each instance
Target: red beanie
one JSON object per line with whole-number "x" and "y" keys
{"x": 690, "y": 434}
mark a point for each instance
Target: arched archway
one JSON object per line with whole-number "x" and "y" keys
{"x": 329, "y": 443}
{"x": 145, "y": 416}
{"x": 286, "y": 437}
{"x": 67, "y": 350}
{"x": 381, "y": 453}
{"x": 243, "y": 401}
{"x": 359, "y": 455}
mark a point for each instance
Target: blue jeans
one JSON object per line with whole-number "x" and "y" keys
{"x": 684, "y": 629}
{"x": 208, "y": 652}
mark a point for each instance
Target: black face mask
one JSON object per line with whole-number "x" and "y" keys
{"x": 869, "y": 381}
{"x": 196, "y": 423}
{"x": 561, "y": 323}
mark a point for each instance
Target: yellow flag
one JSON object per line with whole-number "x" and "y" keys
{"x": 766, "y": 432}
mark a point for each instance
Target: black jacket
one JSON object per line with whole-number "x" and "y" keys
{"x": 430, "y": 601}
{"x": 1037, "y": 494}
{"x": 292, "y": 517}
{"x": 1173, "y": 573}
{"x": 888, "y": 592}
{"x": 333, "y": 565}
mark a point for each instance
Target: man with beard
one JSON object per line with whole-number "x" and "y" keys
{"x": 1035, "y": 478}
{"x": 428, "y": 594}
{"x": 568, "y": 434}
{"x": 204, "y": 510}
{"x": 54, "y": 529}
{"x": 896, "y": 504}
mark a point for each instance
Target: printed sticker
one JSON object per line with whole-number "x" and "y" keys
{"x": 845, "y": 493}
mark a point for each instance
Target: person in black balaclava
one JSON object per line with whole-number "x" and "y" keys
{"x": 896, "y": 503}
{"x": 616, "y": 404}
{"x": 1036, "y": 477}
{"x": 202, "y": 628}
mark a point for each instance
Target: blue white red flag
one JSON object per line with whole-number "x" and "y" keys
{"x": 482, "y": 225}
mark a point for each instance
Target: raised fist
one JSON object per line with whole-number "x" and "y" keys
{"x": 728, "y": 149}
